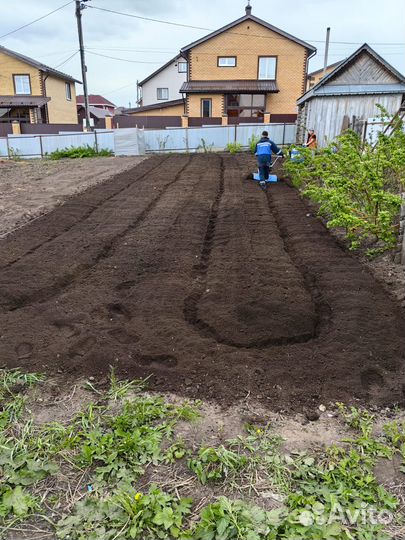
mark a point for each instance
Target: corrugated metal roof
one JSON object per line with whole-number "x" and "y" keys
{"x": 229, "y": 87}
{"x": 352, "y": 90}
{"x": 314, "y": 92}
{"x": 23, "y": 101}
{"x": 340, "y": 90}
{"x": 99, "y": 113}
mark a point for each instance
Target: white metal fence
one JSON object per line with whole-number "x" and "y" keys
{"x": 37, "y": 146}
{"x": 214, "y": 137}
{"x": 134, "y": 141}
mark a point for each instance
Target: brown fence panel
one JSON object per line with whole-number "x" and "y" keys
{"x": 48, "y": 129}
{"x": 147, "y": 122}
{"x": 194, "y": 121}
{"x": 5, "y": 129}
{"x": 232, "y": 120}
{"x": 283, "y": 118}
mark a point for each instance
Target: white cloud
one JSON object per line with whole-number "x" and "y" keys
{"x": 55, "y": 38}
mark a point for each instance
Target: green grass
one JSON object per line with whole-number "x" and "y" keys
{"x": 79, "y": 152}
{"x": 234, "y": 148}
{"x": 91, "y": 476}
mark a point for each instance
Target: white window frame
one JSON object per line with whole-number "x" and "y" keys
{"x": 160, "y": 92}
{"x": 227, "y": 61}
{"x": 68, "y": 90}
{"x": 184, "y": 65}
{"x": 25, "y": 88}
{"x": 210, "y": 107}
{"x": 267, "y": 72}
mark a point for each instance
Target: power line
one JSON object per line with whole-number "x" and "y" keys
{"x": 118, "y": 89}
{"x": 67, "y": 60}
{"x": 121, "y": 59}
{"x": 56, "y": 53}
{"x": 118, "y": 49}
{"x": 149, "y": 18}
{"x": 236, "y": 33}
{"x": 36, "y": 20}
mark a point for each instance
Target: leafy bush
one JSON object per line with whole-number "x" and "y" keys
{"x": 126, "y": 514}
{"x": 234, "y": 148}
{"x": 254, "y": 139}
{"x": 80, "y": 152}
{"x": 216, "y": 463}
{"x": 357, "y": 185}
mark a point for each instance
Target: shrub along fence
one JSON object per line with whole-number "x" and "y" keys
{"x": 37, "y": 146}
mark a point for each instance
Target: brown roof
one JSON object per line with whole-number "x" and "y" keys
{"x": 23, "y": 101}
{"x": 230, "y": 87}
{"x": 162, "y": 105}
{"x": 249, "y": 17}
{"x": 95, "y": 99}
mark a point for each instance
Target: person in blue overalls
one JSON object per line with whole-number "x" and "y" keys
{"x": 264, "y": 149}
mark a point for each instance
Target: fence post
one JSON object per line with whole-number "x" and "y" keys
{"x": 8, "y": 148}
{"x": 96, "y": 141}
{"x": 236, "y": 133}
{"x": 40, "y": 145}
{"x": 187, "y": 146}
{"x": 283, "y": 134}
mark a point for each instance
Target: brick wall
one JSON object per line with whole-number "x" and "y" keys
{"x": 11, "y": 66}
{"x": 247, "y": 41}
{"x": 60, "y": 109}
{"x": 194, "y": 104}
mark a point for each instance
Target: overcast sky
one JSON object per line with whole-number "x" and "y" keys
{"x": 149, "y": 44}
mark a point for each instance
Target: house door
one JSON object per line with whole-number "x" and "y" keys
{"x": 206, "y": 108}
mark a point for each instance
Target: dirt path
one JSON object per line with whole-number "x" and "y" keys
{"x": 182, "y": 268}
{"x": 30, "y": 188}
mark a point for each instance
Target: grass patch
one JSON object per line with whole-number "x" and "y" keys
{"x": 91, "y": 477}
{"x": 80, "y": 152}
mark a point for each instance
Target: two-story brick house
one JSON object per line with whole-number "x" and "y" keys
{"x": 246, "y": 71}
{"x": 32, "y": 92}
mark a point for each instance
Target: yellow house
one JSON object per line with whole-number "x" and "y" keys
{"x": 33, "y": 92}
{"x": 247, "y": 71}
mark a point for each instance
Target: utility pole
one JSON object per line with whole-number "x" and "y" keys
{"x": 79, "y": 8}
{"x": 325, "y": 64}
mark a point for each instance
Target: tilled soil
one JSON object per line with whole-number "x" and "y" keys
{"x": 184, "y": 269}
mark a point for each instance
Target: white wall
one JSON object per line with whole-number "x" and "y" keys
{"x": 168, "y": 78}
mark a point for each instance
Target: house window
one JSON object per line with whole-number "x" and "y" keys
{"x": 68, "y": 92}
{"x": 22, "y": 84}
{"x": 206, "y": 108}
{"x": 246, "y": 105}
{"x": 182, "y": 67}
{"x": 163, "y": 93}
{"x": 267, "y": 67}
{"x": 226, "y": 61}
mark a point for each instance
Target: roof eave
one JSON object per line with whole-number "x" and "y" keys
{"x": 184, "y": 50}
{"x": 159, "y": 70}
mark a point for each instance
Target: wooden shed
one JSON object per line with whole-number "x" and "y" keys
{"x": 349, "y": 94}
